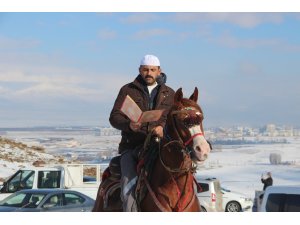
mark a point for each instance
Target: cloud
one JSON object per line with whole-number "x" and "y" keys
{"x": 227, "y": 39}
{"x": 46, "y": 90}
{"x": 88, "y": 88}
{"x": 244, "y": 20}
{"x": 3, "y": 91}
{"x": 9, "y": 43}
{"x": 40, "y": 86}
{"x": 248, "y": 68}
{"x": 296, "y": 15}
{"x": 21, "y": 77}
{"x": 289, "y": 47}
{"x": 155, "y": 32}
{"x": 107, "y": 34}
{"x": 139, "y": 18}
{"x": 29, "y": 77}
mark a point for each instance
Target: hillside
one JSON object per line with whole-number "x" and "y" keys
{"x": 15, "y": 155}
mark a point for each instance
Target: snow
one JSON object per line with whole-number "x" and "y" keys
{"x": 238, "y": 168}
{"x": 15, "y": 155}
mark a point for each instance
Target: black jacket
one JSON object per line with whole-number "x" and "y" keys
{"x": 163, "y": 98}
{"x": 267, "y": 182}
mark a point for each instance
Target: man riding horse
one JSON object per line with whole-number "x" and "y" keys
{"x": 149, "y": 91}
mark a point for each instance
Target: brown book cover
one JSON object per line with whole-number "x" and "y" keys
{"x": 135, "y": 114}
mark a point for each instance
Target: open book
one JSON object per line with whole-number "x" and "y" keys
{"x": 135, "y": 114}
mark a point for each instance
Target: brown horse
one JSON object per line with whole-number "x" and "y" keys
{"x": 166, "y": 180}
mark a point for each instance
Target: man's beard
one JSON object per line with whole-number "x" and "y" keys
{"x": 149, "y": 81}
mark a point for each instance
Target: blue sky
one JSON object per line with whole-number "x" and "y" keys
{"x": 67, "y": 68}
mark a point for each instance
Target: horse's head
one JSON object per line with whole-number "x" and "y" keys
{"x": 184, "y": 124}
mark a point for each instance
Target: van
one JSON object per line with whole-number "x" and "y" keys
{"x": 281, "y": 199}
{"x": 209, "y": 194}
{"x": 84, "y": 178}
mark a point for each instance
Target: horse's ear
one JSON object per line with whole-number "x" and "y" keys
{"x": 178, "y": 95}
{"x": 194, "y": 96}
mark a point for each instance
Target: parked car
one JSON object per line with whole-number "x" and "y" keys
{"x": 209, "y": 194}
{"x": 66, "y": 176}
{"x": 281, "y": 199}
{"x": 47, "y": 200}
{"x": 235, "y": 202}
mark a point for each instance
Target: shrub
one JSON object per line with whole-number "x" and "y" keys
{"x": 275, "y": 158}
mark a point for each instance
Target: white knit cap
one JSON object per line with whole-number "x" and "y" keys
{"x": 150, "y": 60}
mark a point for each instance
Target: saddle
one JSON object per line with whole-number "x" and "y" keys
{"x": 110, "y": 187}
{"x": 115, "y": 168}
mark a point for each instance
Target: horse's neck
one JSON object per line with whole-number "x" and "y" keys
{"x": 174, "y": 190}
{"x": 161, "y": 174}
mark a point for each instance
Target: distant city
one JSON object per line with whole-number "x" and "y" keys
{"x": 88, "y": 143}
{"x": 269, "y": 130}
{"x": 215, "y": 133}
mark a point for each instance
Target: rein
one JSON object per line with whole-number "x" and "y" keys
{"x": 156, "y": 201}
{"x": 184, "y": 143}
{"x": 183, "y": 196}
{"x": 191, "y": 138}
{"x": 160, "y": 206}
{"x": 176, "y": 170}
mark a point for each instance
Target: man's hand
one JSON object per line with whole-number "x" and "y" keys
{"x": 135, "y": 126}
{"x": 159, "y": 131}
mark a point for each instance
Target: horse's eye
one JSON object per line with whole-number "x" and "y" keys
{"x": 191, "y": 121}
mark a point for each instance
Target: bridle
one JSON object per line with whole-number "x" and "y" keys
{"x": 186, "y": 149}
{"x": 186, "y": 172}
{"x": 189, "y": 111}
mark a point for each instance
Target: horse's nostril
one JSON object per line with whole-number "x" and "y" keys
{"x": 197, "y": 148}
{"x": 204, "y": 156}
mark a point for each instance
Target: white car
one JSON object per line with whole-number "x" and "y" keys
{"x": 281, "y": 199}
{"x": 209, "y": 194}
{"x": 235, "y": 202}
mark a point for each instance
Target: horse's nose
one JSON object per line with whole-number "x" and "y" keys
{"x": 203, "y": 155}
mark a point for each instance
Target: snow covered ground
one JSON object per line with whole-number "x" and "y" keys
{"x": 15, "y": 155}
{"x": 238, "y": 167}
{"x": 82, "y": 145}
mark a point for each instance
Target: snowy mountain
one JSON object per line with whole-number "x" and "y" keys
{"x": 15, "y": 155}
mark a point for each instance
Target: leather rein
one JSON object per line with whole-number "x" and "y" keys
{"x": 185, "y": 150}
